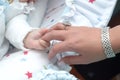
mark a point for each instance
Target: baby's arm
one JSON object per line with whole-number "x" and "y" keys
{"x": 17, "y": 29}
{"x": 19, "y": 32}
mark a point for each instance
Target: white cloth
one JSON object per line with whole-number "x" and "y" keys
{"x": 16, "y": 20}
{"x": 28, "y": 17}
{"x": 31, "y": 65}
{"x": 15, "y": 66}
{"x": 36, "y": 15}
{"x": 19, "y": 20}
{"x": 93, "y": 13}
{"x": 4, "y": 44}
{"x": 53, "y": 75}
{"x": 7, "y": 14}
{"x": 20, "y": 65}
{"x": 81, "y": 12}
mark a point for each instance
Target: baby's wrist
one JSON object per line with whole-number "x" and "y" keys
{"x": 25, "y": 40}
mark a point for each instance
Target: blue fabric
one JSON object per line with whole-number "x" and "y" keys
{"x": 4, "y": 3}
{"x": 53, "y": 75}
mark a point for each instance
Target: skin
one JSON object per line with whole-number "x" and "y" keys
{"x": 26, "y": 0}
{"x": 33, "y": 40}
{"x": 84, "y": 40}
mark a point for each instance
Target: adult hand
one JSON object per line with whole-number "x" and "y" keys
{"x": 83, "y": 40}
{"x": 26, "y": 0}
{"x": 33, "y": 41}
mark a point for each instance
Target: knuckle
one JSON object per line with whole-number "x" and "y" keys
{"x": 58, "y": 24}
{"x": 52, "y": 33}
{"x": 54, "y": 49}
{"x": 69, "y": 44}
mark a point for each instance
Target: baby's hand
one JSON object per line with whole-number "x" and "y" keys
{"x": 33, "y": 40}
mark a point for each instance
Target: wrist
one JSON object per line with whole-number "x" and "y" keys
{"x": 115, "y": 39}
{"x": 26, "y": 39}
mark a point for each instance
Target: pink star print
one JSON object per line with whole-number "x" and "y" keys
{"x": 25, "y": 52}
{"x": 29, "y": 75}
{"x": 91, "y": 1}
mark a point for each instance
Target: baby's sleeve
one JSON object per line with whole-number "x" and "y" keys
{"x": 17, "y": 26}
{"x": 14, "y": 9}
{"x": 17, "y": 29}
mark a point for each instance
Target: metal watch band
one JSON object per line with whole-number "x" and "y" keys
{"x": 106, "y": 43}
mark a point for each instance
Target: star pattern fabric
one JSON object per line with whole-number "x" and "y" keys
{"x": 22, "y": 65}
{"x": 91, "y": 1}
{"x": 29, "y": 75}
{"x": 25, "y": 52}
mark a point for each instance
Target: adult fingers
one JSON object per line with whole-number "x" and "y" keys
{"x": 58, "y": 48}
{"x": 43, "y": 31}
{"x": 27, "y": 0}
{"x": 23, "y": 0}
{"x": 31, "y": 0}
{"x": 54, "y": 35}
{"x": 44, "y": 43}
{"x": 39, "y": 45}
{"x": 60, "y": 26}
{"x": 77, "y": 59}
